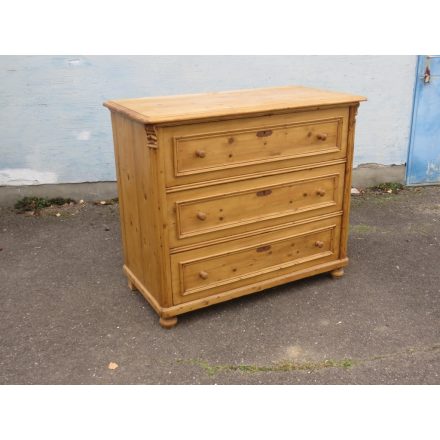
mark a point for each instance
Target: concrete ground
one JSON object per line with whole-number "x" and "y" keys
{"x": 66, "y": 311}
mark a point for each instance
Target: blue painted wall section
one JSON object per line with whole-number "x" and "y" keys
{"x": 424, "y": 152}
{"x": 53, "y": 127}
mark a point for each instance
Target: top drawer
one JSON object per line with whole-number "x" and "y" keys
{"x": 209, "y": 151}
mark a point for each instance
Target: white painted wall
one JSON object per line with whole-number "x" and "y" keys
{"x": 53, "y": 127}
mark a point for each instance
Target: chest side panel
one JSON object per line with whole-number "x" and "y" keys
{"x": 139, "y": 187}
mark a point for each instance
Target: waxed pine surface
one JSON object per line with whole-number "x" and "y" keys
{"x": 207, "y": 105}
{"x": 141, "y": 188}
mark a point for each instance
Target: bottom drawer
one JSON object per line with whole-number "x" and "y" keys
{"x": 210, "y": 270}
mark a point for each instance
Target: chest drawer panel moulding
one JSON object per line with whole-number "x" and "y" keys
{"x": 230, "y": 193}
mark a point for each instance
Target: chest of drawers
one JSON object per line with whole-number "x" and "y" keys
{"x": 226, "y": 194}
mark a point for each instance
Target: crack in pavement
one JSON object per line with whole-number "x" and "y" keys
{"x": 284, "y": 366}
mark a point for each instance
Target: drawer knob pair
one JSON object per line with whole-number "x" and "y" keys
{"x": 320, "y": 192}
{"x": 200, "y": 153}
{"x": 201, "y": 215}
{"x": 322, "y": 136}
{"x": 319, "y": 244}
{"x": 203, "y": 275}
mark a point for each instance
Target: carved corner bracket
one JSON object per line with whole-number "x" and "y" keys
{"x": 151, "y": 136}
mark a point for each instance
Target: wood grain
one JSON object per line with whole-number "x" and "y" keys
{"x": 290, "y": 250}
{"x": 139, "y": 198}
{"x": 231, "y": 148}
{"x": 156, "y": 110}
{"x": 238, "y": 207}
{"x": 201, "y": 153}
{"x": 127, "y": 193}
{"x": 347, "y": 183}
{"x": 254, "y": 287}
{"x": 263, "y": 257}
{"x": 178, "y": 309}
{"x": 220, "y": 203}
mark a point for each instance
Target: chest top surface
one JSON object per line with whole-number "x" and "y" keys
{"x": 171, "y": 109}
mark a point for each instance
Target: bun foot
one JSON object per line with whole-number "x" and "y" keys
{"x": 337, "y": 273}
{"x": 131, "y": 286}
{"x": 168, "y": 322}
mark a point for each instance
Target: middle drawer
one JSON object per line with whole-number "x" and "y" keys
{"x": 214, "y": 212}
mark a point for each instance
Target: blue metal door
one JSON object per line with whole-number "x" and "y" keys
{"x": 423, "y": 165}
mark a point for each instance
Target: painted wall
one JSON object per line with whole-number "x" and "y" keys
{"x": 424, "y": 157}
{"x": 54, "y": 129}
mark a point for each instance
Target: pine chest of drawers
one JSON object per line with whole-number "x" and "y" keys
{"x": 226, "y": 194}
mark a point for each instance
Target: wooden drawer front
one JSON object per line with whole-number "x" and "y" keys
{"x": 261, "y": 203}
{"x": 211, "y": 270}
{"x": 201, "y": 213}
{"x": 263, "y": 257}
{"x": 228, "y": 149}
{"x": 221, "y": 149}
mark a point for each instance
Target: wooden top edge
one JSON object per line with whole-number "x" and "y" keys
{"x": 174, "y": 108}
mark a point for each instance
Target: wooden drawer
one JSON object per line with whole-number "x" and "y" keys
{"x": 227, "y": 148}
{"x": 208, "y": 213}
{"x": 219, "y": 268}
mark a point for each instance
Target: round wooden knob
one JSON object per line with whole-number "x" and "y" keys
{"x": 322, "y": 136}
{"x": 200, "y": 153}
{"x": 320, "y": 192}
{"x": 201, "y": 216}
{"x": 319, "y": 244}
{"x": 203, "y": 275}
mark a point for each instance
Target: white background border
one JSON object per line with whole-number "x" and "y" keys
{"x": 226, "y": 27}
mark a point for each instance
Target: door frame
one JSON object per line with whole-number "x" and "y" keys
{"x": 416, "y": 99}
{"x": 415, "y": 102}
